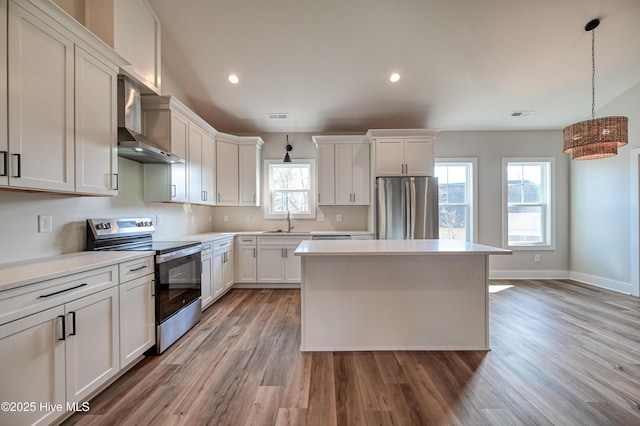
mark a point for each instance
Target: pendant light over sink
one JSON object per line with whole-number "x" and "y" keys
{"x": 287, "y": 159}
{"x": 598, "y": 137}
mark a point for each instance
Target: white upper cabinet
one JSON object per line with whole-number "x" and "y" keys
{"x": 208, "y": 169}
{"x": 238, "y": 161}
{"x": 96, "y": 144}
{"x": 41, "y": 104}
{"x": 61, "y": 98}
{"x": 227, "y": 173}
{"x": 4, "y": 142}
{"x": 344, "y": 170}
{"x": 166, "y": 182}
{"x": 404, "y": 152}
{"x": 132, "y": 28}
{"x": 249, "y": 174}
{"x": 201, "y": 166}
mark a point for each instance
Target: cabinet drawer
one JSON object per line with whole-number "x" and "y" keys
{"x": 207, "y": 248}
{"x": 20, "y": 302}
{"x": 246, "y": 240}
{"x": 135, "y": 269}
{"x": 222, "y": 244}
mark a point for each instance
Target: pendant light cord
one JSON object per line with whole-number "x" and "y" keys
{"x": 593, "y": 73}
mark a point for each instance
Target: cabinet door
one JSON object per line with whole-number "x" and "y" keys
{"x": 208, "y": 169}
{"x": 246, "y": 264}
{"x": 194, "y": 164}
{"x": 218, "y": 273}
{"x": 4, "y": 141}
{"x": 326, "y": 174}
{"x": 293, "y": 265}
{"x": 96, "y": 144}
{"x": 229, "y": 268}
{"x": 361, "y": 174}
{"x": 41, "y": 97}
{"x": 271, "y": 264}
{"x": 248, "y": 173}
{"x": 32, "y": 367}
{"x": 419, "y": 157}
{"x": 92, "y": 351}
{"x": 179, "y": 138}
{"x": 227, "y": 173}
{"x": 137, "y": 318}
{"x": 389, "y": 157}
{"x": 207, "y": 280}
{"x": 343, "y": 174}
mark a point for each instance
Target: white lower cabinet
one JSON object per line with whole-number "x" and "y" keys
{"x": 223, "y": 266}
{"x": 137, "y": 318}
{"x": 246, "y": 259}
{"x": 32, "y": 351}
{"x": 276, "y": 260}
{"x": 93, "y": 344}
{"x": 207, "y": 274}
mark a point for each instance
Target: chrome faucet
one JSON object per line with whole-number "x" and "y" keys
{"x": 289, "y": 226}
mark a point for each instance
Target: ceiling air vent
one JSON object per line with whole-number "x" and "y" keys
{"x": 521, "y": 113}
{"x": 280, "y": 116}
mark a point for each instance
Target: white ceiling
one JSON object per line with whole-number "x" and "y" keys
{"x": 465, "y": 64}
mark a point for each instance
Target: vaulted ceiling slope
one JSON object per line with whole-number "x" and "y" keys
{"x": 464, "y": 65}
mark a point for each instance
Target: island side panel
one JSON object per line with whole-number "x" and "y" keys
{"x": 423, "y": 302}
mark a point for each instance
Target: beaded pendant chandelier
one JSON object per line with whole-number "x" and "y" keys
{"x": 598, "y": 137}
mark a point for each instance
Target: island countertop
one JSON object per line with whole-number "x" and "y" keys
{"x": 393, "y": 247}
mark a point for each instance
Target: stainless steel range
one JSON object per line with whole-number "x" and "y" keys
{"x": 178, "y": 270}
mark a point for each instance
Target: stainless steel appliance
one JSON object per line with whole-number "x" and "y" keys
{"x": 178, "y": 270}
{"x": 131, "y": 143}
{"x": 406, "y": 208}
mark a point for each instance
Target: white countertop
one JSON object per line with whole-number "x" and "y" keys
{"x": 208, "y": 236}
{"x": 393, "y": 247}
{"x": 18, "y": 274}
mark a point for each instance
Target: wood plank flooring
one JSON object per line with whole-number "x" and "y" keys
{"x": 562, "y": 354}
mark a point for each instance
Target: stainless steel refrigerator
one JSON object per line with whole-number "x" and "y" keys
{"x": 406, "y": 208}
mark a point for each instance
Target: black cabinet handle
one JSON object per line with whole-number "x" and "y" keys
{"x": 64, "y": 328}
{"x": 73, "y": 323}
{"x": 5, "y": 161}
{"x": 19, "y": 168}
{"x": 137, "y": 269}
{"x": 117, "y": 186}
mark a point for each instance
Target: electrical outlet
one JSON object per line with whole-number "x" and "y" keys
{"x": 247, "y": 218}
{"x": 320, "y": 217}
{"x": 210, "y": 218}
{"x": 193, "y": 219}
{"x": 339, "y": 217}
{"x": 158, "y": 219}
{"x": 536, "y": 258}
{"x": 45, "y": 223}
{"x": 225, "y": 218}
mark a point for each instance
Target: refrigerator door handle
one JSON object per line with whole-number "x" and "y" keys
{"x": 405, "y": 207}
{"x": 411, "y": 207}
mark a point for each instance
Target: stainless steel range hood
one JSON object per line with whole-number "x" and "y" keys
{"x": 131, "y": 143}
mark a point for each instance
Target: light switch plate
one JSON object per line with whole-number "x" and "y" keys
{"x": 339, "y": 217}
{"x": 225, "y": 218}
{"x": 320, "y": 217}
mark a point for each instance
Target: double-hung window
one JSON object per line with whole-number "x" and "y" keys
{"x": 456, "y": 198}
{"x": 528, "y": 201}
{"x": 289, "y": 188}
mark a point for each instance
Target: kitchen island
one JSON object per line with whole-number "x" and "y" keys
{"x": 395, "y": 295}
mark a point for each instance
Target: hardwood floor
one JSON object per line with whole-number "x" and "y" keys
{"x": 562, "y": 353}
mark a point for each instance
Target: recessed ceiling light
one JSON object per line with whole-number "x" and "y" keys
{"x": 394, "y": 77}
{"x": 233, "y": 79}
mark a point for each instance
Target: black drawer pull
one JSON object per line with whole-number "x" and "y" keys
{"x": 73, "y": 323}
{"x": 61, "y": 291}
{"x": 5, "y": 171}
{"x": 137, "y": 269}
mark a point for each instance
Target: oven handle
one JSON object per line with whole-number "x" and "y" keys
{"x": 178, "y": 253}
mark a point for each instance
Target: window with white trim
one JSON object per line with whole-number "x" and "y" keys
{"x": 528, "y": 200}
{"x": 289, "y": 187}
{"x": 456, "y": 198}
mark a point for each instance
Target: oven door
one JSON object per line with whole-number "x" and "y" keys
{"x": 178, "y": 281}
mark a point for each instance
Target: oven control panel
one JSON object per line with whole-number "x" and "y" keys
{"x": 102, "y": 228}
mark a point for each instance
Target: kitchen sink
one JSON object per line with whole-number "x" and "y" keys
{"x": 279, "y": 231}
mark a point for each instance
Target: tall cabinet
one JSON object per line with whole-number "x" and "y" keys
{"x": 344, "y": 170}
{"x": 238, "y": 170}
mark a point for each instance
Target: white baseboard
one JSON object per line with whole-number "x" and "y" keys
{"x": 618, "y": 286}
{"x": 529, "y": 275}
{"x": 269, "y": 285}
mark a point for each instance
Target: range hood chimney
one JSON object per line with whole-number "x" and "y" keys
{"x": 131, "y": 143}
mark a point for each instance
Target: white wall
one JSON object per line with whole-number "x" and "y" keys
{"x": 489, "y": 148}
{"x": 601, "y": 208}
